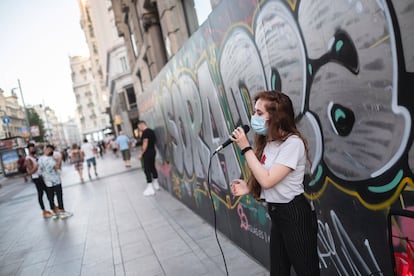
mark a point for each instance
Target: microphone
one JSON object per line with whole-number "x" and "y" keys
{"x": 246, "y": 129}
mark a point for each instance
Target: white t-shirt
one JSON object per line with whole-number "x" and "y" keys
{"x": 290, "y": 153}
{"x": 87, "y": 149}
{"x": 34, "y": 162}
{"x": 46, "y": 169}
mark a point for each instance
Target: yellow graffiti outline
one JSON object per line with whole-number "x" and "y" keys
{"x": 375, "y": 207}
{"x": 177, "y": 181}
{"x": 231, "y": 28}
{"x": 292, "y": 4}
{"x": 203, "y": 57}
{"x": 226, "y": 203}
{"x": 379, "y": 42}
{"x": 180, "y": 71}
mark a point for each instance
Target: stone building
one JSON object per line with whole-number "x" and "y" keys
{"x": 129, "y": 44}
{"x": 153, "y": 31}
{"x": 50, "y": 123}
{"x": 70, "y": 133}
{"x": 92, "y": 120}
{"x": 12, "y": 116}
{"x": 109, "y": 65}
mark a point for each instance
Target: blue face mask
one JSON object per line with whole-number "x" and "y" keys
{"x": 259, "y": 125}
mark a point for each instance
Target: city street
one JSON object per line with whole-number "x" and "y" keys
{"x": 115, "y": 230}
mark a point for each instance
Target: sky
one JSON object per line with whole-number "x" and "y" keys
{"x": 37, "y": 37}
{"x": 203, "y": 9}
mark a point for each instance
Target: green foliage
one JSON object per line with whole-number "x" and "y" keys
{"x": 34, "y": 120}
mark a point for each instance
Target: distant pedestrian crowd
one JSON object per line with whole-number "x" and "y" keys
{"x": 43, "y": 165}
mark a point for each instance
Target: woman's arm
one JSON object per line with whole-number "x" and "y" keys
{"x": 29, "y": 167}
{"x": 58, "y": 164}
{"x": 266, "y": 178}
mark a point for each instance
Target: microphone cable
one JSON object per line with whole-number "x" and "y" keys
{"x": 214, "y": 213}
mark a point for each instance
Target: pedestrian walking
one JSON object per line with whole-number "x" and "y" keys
{"x": 277, "y": 166}
{"x": 101, "y": 146}
{"x": 114, "y": 146}
{"x": 124, "y": 145}
{"x": 21, "y": 163}
{"x": 89, "y": 151}
{"x": 77, "y": 158}
{"x": 41, "y": 188}
{"x": 148, "y": 154}
{"x": 49, "y": 169}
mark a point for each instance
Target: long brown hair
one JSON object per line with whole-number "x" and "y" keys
{"x": 281, "y": 125}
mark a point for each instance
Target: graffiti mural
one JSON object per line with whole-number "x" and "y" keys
{"x": 348, "y": 67}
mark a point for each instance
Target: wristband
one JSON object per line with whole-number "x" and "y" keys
{"x": 246, "y": 149}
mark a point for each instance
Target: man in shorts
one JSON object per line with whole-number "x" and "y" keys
{"x": 124, "y": 146}
{"x": 89, "y": 151}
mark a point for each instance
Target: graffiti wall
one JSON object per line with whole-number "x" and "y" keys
{"x": 348, "y": 67}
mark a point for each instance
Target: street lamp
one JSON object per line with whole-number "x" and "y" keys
{"x": 24, "y": 105}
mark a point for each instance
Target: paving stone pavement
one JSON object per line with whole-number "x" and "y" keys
{"x": 115, "y": 230}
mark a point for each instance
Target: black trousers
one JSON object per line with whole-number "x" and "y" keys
{"x": 149, "y": 166}
{"x": 41, "y": 189}
{"x": 57, "y": 190}
{"x": 293, "y": 238}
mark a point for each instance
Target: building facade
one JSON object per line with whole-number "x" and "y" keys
{"x": 153, "y": 31}
{"x": 70, "y": 133}
{"x": 110, "y": 65}
{"x": 129, "y": 44}
{"x": 12, "y": 116}
{"x": 123, "y": 103}
{"x": 92, "y": 120}
{"x": 50, "y": 124}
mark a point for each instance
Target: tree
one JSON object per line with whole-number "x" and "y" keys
{"x": 34, "y": 120}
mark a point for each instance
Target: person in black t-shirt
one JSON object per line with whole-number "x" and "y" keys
{"x": 148, "y": 155}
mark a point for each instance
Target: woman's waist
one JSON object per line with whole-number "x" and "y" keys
{"x": 297, "y": 198}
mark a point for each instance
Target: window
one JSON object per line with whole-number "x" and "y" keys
{"x": 132, "y": 100}
{"x": 134, "y": 45}
{"x": 95, "y": 49}
{"x": 88, "y": 15}
{"x": 124, "y": 64}
{"x": 91, "y": 33}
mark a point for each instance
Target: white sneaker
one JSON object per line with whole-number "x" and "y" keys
{"x": 149, "y": 191}
{"x": 65, "y": 215}
{"x": 156, "y": 185}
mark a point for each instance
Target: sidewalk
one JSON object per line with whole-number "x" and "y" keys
{"x": 115, "y": 230}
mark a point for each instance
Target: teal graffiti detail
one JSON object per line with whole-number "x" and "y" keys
{"x": 199, "y": 198}
{"x": 389, "y": 186}
{"x": 339, "y": 45}
{"x": 262, "y": 215}
{"x": 317, "y": 176}
{"x": 339, "y": 114}
{"x": 274, "y": 80}
{"x": 310, "y": 69}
